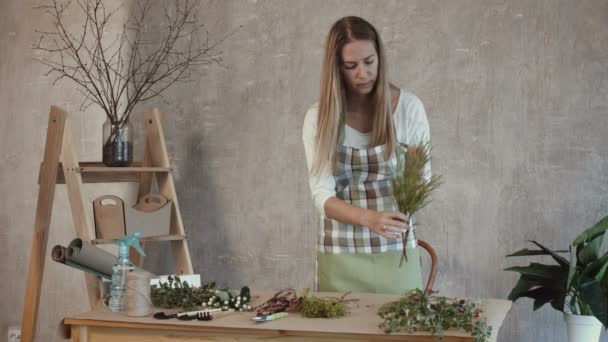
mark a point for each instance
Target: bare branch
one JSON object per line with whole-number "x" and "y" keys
{"x": 132, "y": 66}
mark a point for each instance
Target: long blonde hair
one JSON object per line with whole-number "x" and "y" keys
{"x": 332, "y": 102}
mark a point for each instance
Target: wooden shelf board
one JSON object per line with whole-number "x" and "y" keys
{"x": 175, "y": 237}
{"x": 135, "y": 167}
{"x": 96, "y": 172}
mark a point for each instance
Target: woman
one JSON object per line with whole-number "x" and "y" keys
{"x": 351, "y": 138}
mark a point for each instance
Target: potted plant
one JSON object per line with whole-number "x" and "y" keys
{"x": 118, "y": 63}
{"x": 577, "y": 285}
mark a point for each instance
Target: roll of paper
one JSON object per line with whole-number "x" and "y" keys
{"x": 59, "y": 254}
{"x": 86, "y": 257}
{"x": 89, "y": 256}
{"x": 82, "y": 268}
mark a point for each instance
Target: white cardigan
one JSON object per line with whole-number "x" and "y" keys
{"x": 411, "y": 125}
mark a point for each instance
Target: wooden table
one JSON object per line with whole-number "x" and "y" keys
{"x": 360, "y": 325}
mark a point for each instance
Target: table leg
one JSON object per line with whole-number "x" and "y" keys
{"x": 79, "y": 333}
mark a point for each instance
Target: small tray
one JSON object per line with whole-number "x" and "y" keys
{"x": 147, "y": 221}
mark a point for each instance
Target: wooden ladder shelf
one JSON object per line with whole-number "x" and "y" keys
{"x": 61, "y": 166}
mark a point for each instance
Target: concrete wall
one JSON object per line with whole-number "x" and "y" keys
{"x": 516, "y": 93}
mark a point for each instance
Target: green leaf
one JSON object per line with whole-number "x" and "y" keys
{"x": 526, "y": 252}
{"x": 602, "y": 276}
{"x": 540, "y": 271}
{"x": 604, "y": 281}
{"x": 602, "y": 273}
{"x": 559, "y": 298}
{"x": 544, "y": 283}
{"x": 592, "y": 232}
{"x": 571, "y": 269}
{"x": 573, "y": 305}
{"x": 597, "y": 298}
{"x": 523, "y": 286}
{"x": 541, "y": 295}
{"x": 589, "y": 252}
{"x": 541, "y": 291}
{"x": 222, "y": 295}
{"x": 593, "y": 269}
{"x": 560, "y": 260}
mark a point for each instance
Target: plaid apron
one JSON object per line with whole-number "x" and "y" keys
{"x": 352, "y": 257}
{"x": 363, "y": 179}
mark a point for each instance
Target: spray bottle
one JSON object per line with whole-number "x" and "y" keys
{"x": 120, "y": 269}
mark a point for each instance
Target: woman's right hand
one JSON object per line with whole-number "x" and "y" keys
{"x": 389, "y": 224}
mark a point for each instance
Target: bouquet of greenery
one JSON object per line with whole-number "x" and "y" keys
{"x": 176, "y": 293}
{"x": 411, "y": 189}
{"x": 417, "y": 311}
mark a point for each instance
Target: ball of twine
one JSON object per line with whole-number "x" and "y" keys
{"x": 138, "y": 299}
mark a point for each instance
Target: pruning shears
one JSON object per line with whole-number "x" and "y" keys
{"x": 267, "y": 318}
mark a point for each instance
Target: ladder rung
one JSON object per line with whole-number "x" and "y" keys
{"x": 175, "y": 237}
{"x": 96, "y": 172}
{"x": 135, "y": 167}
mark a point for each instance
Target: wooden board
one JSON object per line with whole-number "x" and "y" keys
{"x": 134, "y": 334}
{"x": 361, "y": 324}
{"x": 80, "y": 218}
{"x": 155, "y": 155}
{"x": 109, "y": 217}
{"x": 97, "y": 172}
{"x": 44, "y": 208}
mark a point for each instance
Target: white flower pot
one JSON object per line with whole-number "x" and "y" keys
{"x": 583, "y": 328}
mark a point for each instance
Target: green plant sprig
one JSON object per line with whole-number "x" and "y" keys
{"x": 417, "y": 311}
{"x": 411, "y": 190}
{"x": 329, "y": 307}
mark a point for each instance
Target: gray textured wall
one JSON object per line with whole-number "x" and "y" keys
{"x": 516, "y": 93}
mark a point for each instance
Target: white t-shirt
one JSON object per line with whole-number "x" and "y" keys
{"x": 411, "y": 125}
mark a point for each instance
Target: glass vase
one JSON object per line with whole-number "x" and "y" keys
{"x": 117, "y": 143}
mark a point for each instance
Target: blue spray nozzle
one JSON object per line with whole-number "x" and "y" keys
{"x": 126, "y": 241}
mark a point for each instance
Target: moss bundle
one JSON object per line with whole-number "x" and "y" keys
{"x": 329, "y": 307}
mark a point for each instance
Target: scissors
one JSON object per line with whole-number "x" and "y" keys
{"x": 267, "y": 318}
